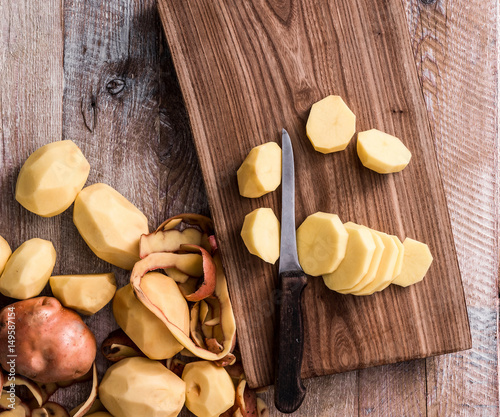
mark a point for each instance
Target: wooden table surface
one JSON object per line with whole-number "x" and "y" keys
{"x": 99, "y": 72}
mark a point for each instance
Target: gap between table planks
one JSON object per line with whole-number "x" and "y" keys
{"x": 459, "y": 384}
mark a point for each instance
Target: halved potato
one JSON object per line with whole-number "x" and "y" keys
{"x": 110, "y": 224}
{"x": 416, "y": 262}
{"x": 260, "y": 172}
{"x": 86, "y": 294}
{"x": 371, "y": 274}
{"x": 331, "y": 125}
{"x": 321, "y": 243}
{"x": 357, "y": 260}
{"x": 261, "y": 234}
{"x": 51, "y": 178}
{"x": 28, "y": 269}
{"x": 381, "y": 152}
{"x": 5, "y": 252}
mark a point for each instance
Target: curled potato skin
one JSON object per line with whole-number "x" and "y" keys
{"x": 52, "y": 342}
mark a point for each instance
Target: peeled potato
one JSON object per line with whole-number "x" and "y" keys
{"x": 261, "y": 234}
{"x": 5, "y": 253}
{"x": 416, "y": 262}
{"x": 86, "y": 294}
{"x": 28, "y": 269}
{"x": 381, "y": 152}
{"x": 331, "y": 125}
{"x": 401, "y": 254}
{"x": 51, "y": 178}
{"x": 110, "y": 224}
{"x": 371, "y": 274}
{"x": 260, "y": 172}
{"x": 321, "y": 243}
{"x": 357, "y": 260}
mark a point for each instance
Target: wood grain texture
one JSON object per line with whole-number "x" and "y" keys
{"x": 247, "y": 71}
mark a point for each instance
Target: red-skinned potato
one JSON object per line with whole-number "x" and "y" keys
{"x": 52, "y": 342}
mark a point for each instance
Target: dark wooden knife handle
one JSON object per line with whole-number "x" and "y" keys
{"x": 289, "y": 391}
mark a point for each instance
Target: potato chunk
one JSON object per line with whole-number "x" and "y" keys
{"x": 51, "y": 178}
{"x": 86, "y": 294}
{"x": 28, "y": 269}
{"x": 141, "y": 387}
{"x": 381, "y": 152}
{"x": 321, "y": 243}
{"x": 209, "y": 389}
{"x": 260, "y": 172}
{"x": 416, "y": 262}
{"x": 5, "y": 253}
{"x": 145, "y": 329}
{"x": 331, "y": 125}
{"x": 110, "y": 224}
{"x": 261, "y": 234}
{"x": 357, "y": 260}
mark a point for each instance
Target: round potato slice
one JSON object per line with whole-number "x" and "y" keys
{"x": 261, "y": 234}
{"x": 401, "y": 253}
{"x": 357, "y": 260}
{"x": 416, "y": 262}
{"x": 5, "y": 252}
{"x": 381, "y": 152}
{"x": 321, "y": 243}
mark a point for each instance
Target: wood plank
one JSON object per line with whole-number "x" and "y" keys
{"x": 245, "y": 72}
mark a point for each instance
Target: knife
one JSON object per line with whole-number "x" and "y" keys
{"x": 289, "y": 389}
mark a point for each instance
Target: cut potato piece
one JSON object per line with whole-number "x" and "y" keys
{"x": 371, "y": 274}
{"x": 28, "y": 269}
{"x": 385, "y": 270}
{"x": 331, "y": 125}
{"x": 110, "y": 224}
{"x": 401, "y": 254}
{"x": 357, "y": 260}
{"x": 261, "y": 234}
{"x": 260, "y": 172}
{"x": 86, "y": 294}
{"x": 416, "y": 262}
{"x": 381, "y": 152}
{"x": 321, "y": 243}
{"x": 5, "y": 252}
{"x": 51, "y": 178}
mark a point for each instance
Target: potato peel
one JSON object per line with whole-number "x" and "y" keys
{"x": 32, "y": 386}
{"x": 92, "y": 396}
{"x": 118, "y": 346}
{"x": 207, "y": 287}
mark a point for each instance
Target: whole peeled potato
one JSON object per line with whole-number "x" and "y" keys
{"x": 52, "y": 343}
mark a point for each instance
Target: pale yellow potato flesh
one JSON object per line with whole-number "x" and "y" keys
{"x": 209, "y": 389}
{"x": 385, "y": 270}
{"x": 330, "y": 125}
{"x": 371, "y": 274}
{"x": 261, "y": 234}
{"x": 145, "y": 329}
{"x": 401, "y": 254}
{"x": 260, "y": 172}
{"x": 357, "y": 260}
{"x": 381, "y": 152}
{"x": 110, "y": 224}
{"x": 139, "y": 386}
{"x": 321, "y": 243}
{"x": 416, "y": 262}
{"x": 28, "y": 269}
{"x": 5, "y": 252}
{"x": 51, "y": 178}
{"x": 86, "y": 294}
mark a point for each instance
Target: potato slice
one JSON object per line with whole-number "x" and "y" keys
{"x": 381, "y": 152}
{"x": 321, "y": 243}
{"x": 385, "y": 271}
{"x": 331, "y": 125}
{"x": 416, "y": 262}
{"x": 261, "y": 234}
{"x": 371, "y": 274}
{"x": 28, "y": 269}
{"x": 51, "y": 178}
{"x": 260, "y": 172}
{"x": 5, "y": 252}
{"x": 86, "y": 294}
{"x": 110, "y": 224}
{"x": 357, "y": 260}
{"x": 401, "y": 254}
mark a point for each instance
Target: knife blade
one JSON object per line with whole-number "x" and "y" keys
{"x": 289, "y": 388}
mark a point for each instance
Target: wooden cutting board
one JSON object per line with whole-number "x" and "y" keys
{"x": 248, "y": 68}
